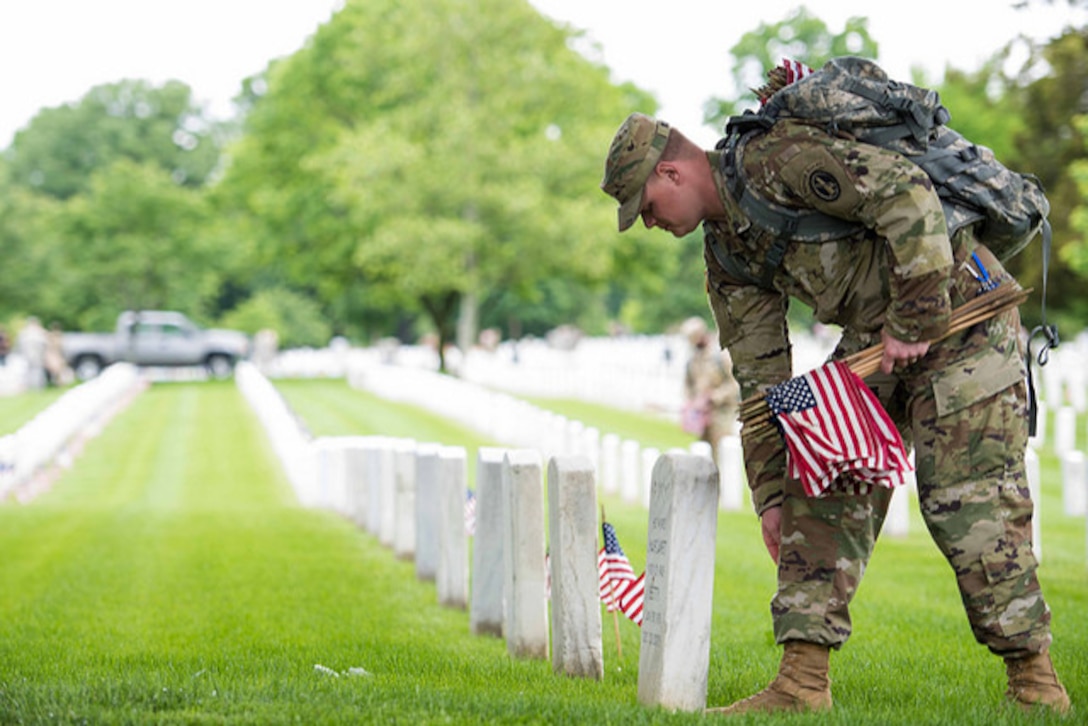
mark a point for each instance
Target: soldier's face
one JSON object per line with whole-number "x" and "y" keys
{"x": 668, "y": 204}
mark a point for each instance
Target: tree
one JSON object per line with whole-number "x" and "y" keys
{"x": 1076, "y": 255}
{"x": 135, "y": 240}
{"x": 1050, "y": 146}
{"x": 62, "y": 147}
{"x": 415, "y": 155}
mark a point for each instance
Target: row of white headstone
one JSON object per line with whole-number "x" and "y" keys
{"x": 30, "y": 457}
{"x": 623, "y": 466}
{"x": 645, "y": 372}
{"x": 534, "y": 577}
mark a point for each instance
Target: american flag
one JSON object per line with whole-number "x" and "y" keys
{"x": 619, "y": 588}
{"x": 470, "y": 513}
{"x": 795, "y": 70}
{"x": 834, "y": 426}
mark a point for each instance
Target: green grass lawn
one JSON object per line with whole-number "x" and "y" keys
{"x": 170, "y": 577}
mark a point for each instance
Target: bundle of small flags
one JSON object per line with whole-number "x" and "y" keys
{"x": 835, "y": 428}
{"x": 781, "y": 76}
{"x": 620, "y": 589}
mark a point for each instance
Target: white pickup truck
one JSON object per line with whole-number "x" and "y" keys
{"x": 155, "y": 338}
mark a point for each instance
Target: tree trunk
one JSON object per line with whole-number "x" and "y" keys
{"x": 441, "y": 309}
{"x": 468, "y": 322}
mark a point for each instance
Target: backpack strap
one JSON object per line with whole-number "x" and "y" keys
{"x": 729, "y": 262}
{"x": 1048, "y": 332}
{"x": 809, "y": 226}
{"x": 918, "y": 120}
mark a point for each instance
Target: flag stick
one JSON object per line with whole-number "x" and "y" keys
{"x": 616, "y": 627}
{"x": 615, "y": 615}
{"x": 755, "y": 414}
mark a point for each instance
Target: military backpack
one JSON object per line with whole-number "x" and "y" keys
{"x": 854, "y": 97}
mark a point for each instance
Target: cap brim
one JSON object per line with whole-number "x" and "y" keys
{"x": 629, "y": 211}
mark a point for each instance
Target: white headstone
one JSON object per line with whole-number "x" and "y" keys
{"x": 675, "y": 650}
{"x": 630, "y": 471}
{"x": 649, "y": 457}
{"x": 1031, "y": 464}
{"x": 331, "y": 480}
{"x": 387, "y": 491}
{"x": 1074, "y": 484}
{"x": 897, "y": 520}
{"x": 1075, "y": 384}
{"x": 610, "y": 463}
{"x": 355, "y": 464}
{"x": 428, "y": 514}
{"x": 525, "y": 624}
{"x": 1065, "y": 430}
{"x": 451, "y": 574}
{"x": 701, "y": 448}
{"x": 731, "y": 473}
{"x": 591, "y": 447}
{"x": 372, "y": 449}
{"x": 575, "y": 598}
{"x": 485, "y": 610}
{"x": 404, "y": 499}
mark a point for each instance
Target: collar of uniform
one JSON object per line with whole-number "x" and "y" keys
{"x": 738, "y": 221}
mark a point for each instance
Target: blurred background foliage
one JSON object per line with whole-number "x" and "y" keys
{"x": 433, "y": 168}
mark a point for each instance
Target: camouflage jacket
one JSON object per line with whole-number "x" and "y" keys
{"x": 894, "y": 272}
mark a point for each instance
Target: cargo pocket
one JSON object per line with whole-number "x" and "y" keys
{"x": 981, "y": 430}
{"x": 1017, "y": 601}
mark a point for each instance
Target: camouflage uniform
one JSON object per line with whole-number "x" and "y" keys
{"x": 963, "y": 405}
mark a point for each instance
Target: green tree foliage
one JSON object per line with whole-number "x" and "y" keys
{"x": 801, "y": 36}
{"x": 1076, "y": 255}
{"x": 297, "y": 319}
{"x": 134, "y": 240}
{"x": 1050, "y": 145}
{"x": 29, "y": 250}
{"x": 63, "y": 147}
{"x": 414, "y": 152}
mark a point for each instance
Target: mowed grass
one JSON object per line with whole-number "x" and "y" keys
{"x": 170, "y": 577}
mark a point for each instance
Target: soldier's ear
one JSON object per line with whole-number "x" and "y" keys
{"x": 668, "y": 170}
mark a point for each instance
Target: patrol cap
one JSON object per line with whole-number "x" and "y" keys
{"x": 635, "y": 151}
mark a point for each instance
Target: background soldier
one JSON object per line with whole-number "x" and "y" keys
{"x": 711, "y": 394}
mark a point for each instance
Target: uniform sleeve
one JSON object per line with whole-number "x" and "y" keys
{"x": 752, "y": 326}
{"x": 890, "y": 195}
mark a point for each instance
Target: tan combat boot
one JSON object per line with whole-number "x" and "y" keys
{"x": 802, "y": 683}
{"x": 1033, "y": 683}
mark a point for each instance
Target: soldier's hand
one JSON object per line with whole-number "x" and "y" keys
{"x": 899, "y": 353}
{"x": 771, "y": 521}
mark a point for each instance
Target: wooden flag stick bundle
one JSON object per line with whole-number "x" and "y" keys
{"x": 755, "y": 413}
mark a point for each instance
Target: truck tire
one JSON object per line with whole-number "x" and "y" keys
{"x": 219, "y": 365}
{"x": 87, "y": 367}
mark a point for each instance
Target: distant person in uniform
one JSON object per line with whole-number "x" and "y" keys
{"x": 56, "y": 367}
{"x": 711, "y": 394}
{"x": 31, "y": 345}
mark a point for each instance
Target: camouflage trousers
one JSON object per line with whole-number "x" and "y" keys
{"x": 969, "y": 440}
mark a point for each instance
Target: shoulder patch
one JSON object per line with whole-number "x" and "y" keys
{"x": 824, "y": 185}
